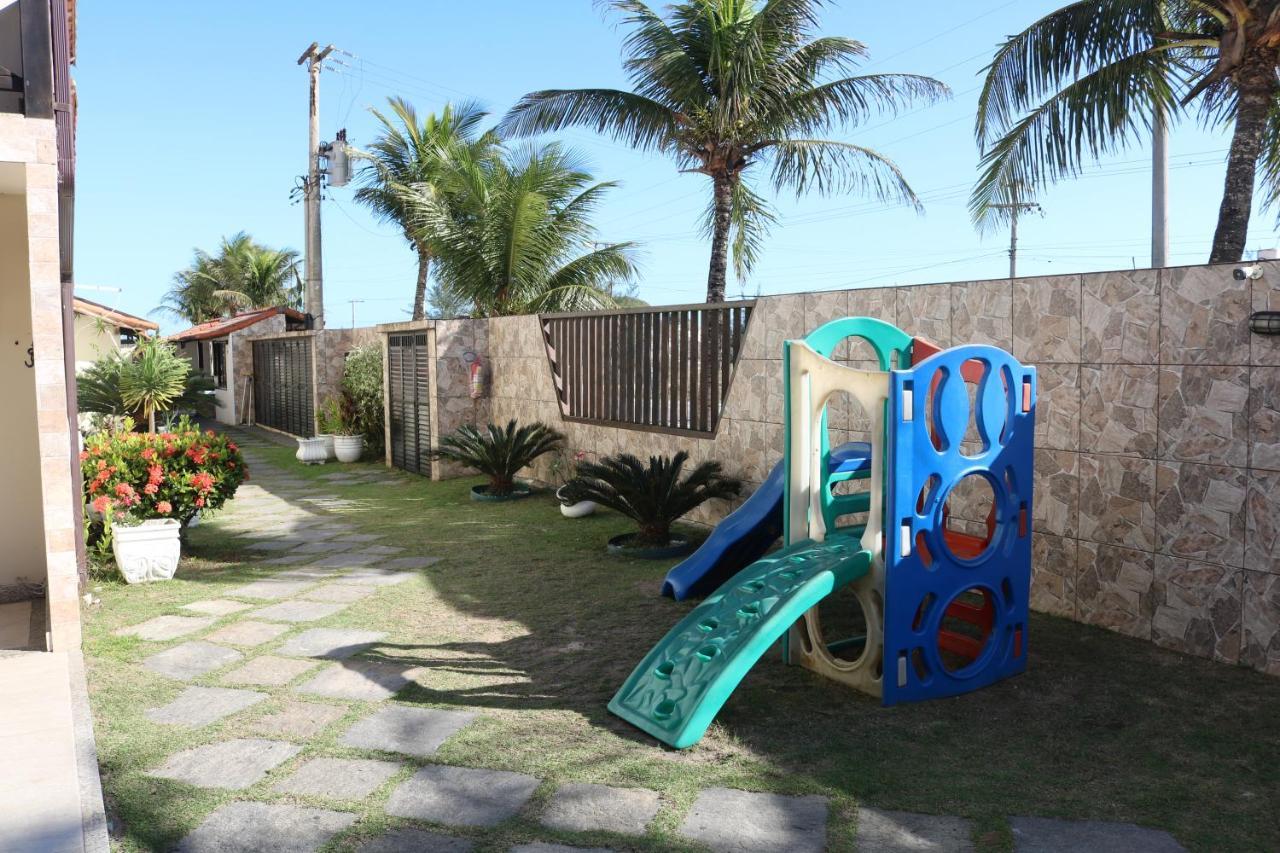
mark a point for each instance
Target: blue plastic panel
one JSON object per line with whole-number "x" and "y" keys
{"x": 929, "y": 413}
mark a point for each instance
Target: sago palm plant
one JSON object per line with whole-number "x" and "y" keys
{"x": 724, "y": 85}
{"x": 653, "y": 495}
{"x": 154, "y": 379}
{"x": 499, "y": 452}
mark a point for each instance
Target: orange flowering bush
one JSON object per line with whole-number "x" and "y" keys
{"x": 137, "y": 476}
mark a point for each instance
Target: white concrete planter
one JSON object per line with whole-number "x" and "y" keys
{"x": 149, "y": 551}
{"x": 328, "y": 445}
{"x": 311, "y": 451}
{"x": 580, "y": 509}
{"x": 348, "y": 447}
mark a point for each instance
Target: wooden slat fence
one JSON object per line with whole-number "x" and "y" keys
{"x": 409, "y": 390}
{"x": 662, "y": 369}
{"x": 282, "y": 385}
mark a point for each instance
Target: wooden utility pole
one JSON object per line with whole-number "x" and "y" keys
{"x": 314, "y": 56}
{"x": 1015, "y": 207}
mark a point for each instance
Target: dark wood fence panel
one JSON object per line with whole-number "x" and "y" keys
{"x": 282, "y": 385}
{"x": 409, "y": 390}
{"x": 662, "y": 369}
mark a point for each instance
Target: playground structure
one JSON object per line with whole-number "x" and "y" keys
{"x": 889, "y": 527}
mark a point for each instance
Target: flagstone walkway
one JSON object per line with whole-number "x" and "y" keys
{"x": 267, "y": 640}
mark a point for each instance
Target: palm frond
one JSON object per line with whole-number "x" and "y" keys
{"x": 499, "y": 452}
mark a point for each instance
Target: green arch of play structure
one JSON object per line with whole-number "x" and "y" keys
{"x": 680, "y": 686}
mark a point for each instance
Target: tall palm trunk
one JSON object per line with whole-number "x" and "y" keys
{"x": 723, "y": 184}
{"x": 424, "y": 272}
{"x": 1256, "y": 87}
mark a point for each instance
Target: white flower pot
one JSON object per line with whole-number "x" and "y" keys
{"x": 311, "y": 451}
{"x": 149, "y": 551}
{"x": 328, "y": 444}
{"x": 348, "y": 447}
{"x": 576, "y": 510}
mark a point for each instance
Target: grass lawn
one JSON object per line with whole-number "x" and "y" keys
{"x": 527, "y": 622}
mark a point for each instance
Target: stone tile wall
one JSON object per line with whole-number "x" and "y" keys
{"x": 1157, "y": 475}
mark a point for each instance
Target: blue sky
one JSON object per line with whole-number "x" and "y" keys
{"x": 193, "y": 123}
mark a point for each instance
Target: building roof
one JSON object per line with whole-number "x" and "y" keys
{"x": 120, "y": 318}
{"x": 224, "y": 326}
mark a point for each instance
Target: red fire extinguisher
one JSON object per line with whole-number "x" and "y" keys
{"x": 478, "y": 378}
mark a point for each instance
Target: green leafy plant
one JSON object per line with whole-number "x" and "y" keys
{"x": 98, "y": 391}
{"x": 243, "y": 274}
{"x": 653, "y": 496}
{"x": 153, "y": 378}
{"x": 362, "y": 382}
{"x": 499, "y": 452}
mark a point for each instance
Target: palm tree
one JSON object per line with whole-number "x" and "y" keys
{"x": 413, "y": 150}
{"x": 722, "y": 85}
{"x": 244, "y": 274}
{"x": 513, "y": 235}
{"x": 1093, "y": 77}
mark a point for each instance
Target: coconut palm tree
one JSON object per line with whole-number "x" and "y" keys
{"x": 513, "y": 235}
{"x": 411, "y": 149}
{"x": 722, "y": 85}
{"x": 244, "y": 274}
{"x": 1093, "y": 77}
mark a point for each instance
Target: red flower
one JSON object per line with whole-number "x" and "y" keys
{"x": 200, "y": 502}
{"x": 151, "y": 488}
{"x": 231, "y": 445}
{"x": 101, "y": 505}
{"x": 148, "y": 454}
{"x": 102, "y": 464}
{"x": 124, "y": 490}
{"x": 164, "y": 507}
{"x": 84, "y": 455}
{"x": 203, "y": 481}
{"x": 155, "y": 474}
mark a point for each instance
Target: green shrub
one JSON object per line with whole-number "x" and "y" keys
{"x": 362, "y": 382}
{"x": 497, "y": 452}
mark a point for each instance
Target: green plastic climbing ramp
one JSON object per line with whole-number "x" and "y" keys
{"x": 680, "y": 686}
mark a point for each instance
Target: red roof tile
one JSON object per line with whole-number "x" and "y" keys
{"x": 224, "y": 326}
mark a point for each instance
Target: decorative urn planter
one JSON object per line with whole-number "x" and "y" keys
{"x": 328, "y": 445}
{"x": 149, "y": 551}
{"x": 348, "y": 448}
{"x": 311, "y": 451}
{"x": 579, "y": 509}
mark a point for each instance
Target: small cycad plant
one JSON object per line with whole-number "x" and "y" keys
{"x": 499, "y": 452}
{"x": 653, "y": 495}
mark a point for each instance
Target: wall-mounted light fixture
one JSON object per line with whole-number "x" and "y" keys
{"x": 1265, "y": 322}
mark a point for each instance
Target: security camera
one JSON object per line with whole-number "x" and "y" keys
{"x": 1250, "y": 272}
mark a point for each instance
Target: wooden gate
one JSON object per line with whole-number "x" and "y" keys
{"x": 409, "y": 400}
{"x": 282, "y": 385}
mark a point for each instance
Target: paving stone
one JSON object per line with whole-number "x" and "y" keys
{"x": 317, "y": 573}
{"x": 200, "y": 706}
{"x": 271, "y": 589}
{"x": 332, "y": 643}
{"x": 163, "y": 628}
{"x": 417, "y": 841}
{"x": 346, "y": 561}
{"x": 545, "y": 847}
{"x": 580, "y": 807}
{"x": 257, "y": 827}
{"x": 190, "y": 660}
{"x": 461, "y": 796}
{"x": 360, "y": 680}
{"x": 412, "y": 731}
{"x": 1049, "y": 835}
{"x": 277, "y": 545}
{"x": 324, "y": 546}
{"x": 340, "y": 592}
{"x": 746, "y": 822}
{"x": 288, "y": 560}
{"x": 232, "y": 764}
{"x": 357, "y": 538}
{"x": 297, "y": 719}
{"x": 383, "y": 550}
{"x": 378, "y": 576}
{"x": 884, "y": 831}
{"x": 338, "y": 778}
{"x": 298, "y": 611}
{"x": 268, "y": 671}
{"x": 409, "y": 562}
{"x": 247, "y": 633}
{"x": 216, "y": 607}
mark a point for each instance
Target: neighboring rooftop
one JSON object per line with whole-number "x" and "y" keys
{"x": 224, "y": 326}
{"x": 120, "y": 318}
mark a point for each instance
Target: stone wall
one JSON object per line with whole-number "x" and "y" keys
{"x": 1157, "y": 482}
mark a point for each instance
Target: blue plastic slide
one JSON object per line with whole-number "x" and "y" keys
{"x": 748, "y": 532}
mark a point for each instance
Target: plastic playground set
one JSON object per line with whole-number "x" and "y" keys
{"x": 944, "y": 599}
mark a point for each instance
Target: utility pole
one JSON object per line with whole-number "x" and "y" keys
{"x": 353, "y": 310}
{"x": 1159, "y": 192}
{"x": 1015, "y": 207}
{"x": 314, "y": 56}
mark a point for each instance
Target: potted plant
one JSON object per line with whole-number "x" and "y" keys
{"x": 327, "y": 418}
{"x": 312, "y": 451}
{"x": 499, "y": 453}
{"x": 146, "y": 550}
{"x": 563, "y": 471}
{"x": 348, "y": 438}
{"x": 652, "y": 495}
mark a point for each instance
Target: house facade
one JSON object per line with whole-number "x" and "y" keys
{"x": 102, "y": 331}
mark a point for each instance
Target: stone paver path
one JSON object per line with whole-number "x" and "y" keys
{"x": 312, "y": 698}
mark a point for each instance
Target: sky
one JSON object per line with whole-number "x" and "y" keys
{"x": 193, "y": 126}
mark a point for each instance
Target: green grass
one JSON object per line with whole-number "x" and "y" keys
{"x": 527, "y": 622}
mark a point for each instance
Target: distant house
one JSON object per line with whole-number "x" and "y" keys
{"x": 102, "y": 331}
{"x": 212, "y": 348}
